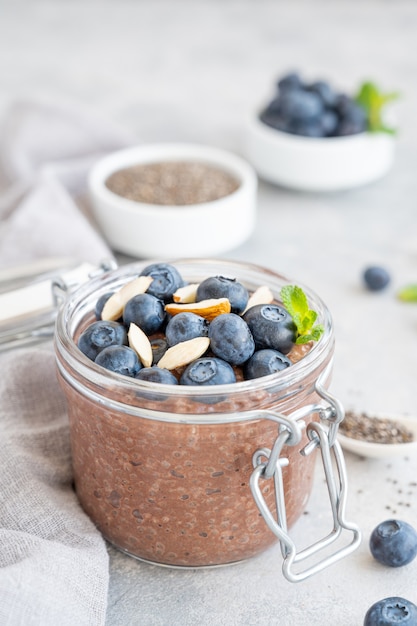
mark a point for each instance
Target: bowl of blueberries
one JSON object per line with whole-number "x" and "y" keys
{"x": 311, "y": 137}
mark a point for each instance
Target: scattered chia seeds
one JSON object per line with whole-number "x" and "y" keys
{"x": 374, "y": 430}
{"x": 172, "y": 183}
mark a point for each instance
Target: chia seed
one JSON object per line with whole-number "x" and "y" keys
{"x": 374, "y": 430}
{"x": 172, "y": 183}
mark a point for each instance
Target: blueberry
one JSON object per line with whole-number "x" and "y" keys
{"x": 327, "y": 95}
{"x": 157, "y": 375}
{"x": 185, "y": 326}
{"x": 222, "y": 287}
{"x": 275, "y": 121}
{"x": 344, "y": 104}
{"x": 291, "y": 80}
{"x": 300, "y": 104}
{"x": 166, "y": 280}
{"x": 231, "y": 339}
{"x": 376, "y": 278}
{"x": 273, "y": 106}
{"x": 329, "y": 121}
{"x": 271, "y": 326}
{"x": 352, "y": 117}
{"x": 146, "y": 311}
{"x": 393, "y": 543}
{"x": 100, "y": 335}
{"x": 349, "y": 126}
{"x": 98, "y": 309}
{"x": 313, "y": 110}
{"x": 264, "y": 362}
{"x": 159, "y": 346}
{"x": 120, "y": 359}
{"x": 208, "y": 371}
{"x": 306, "y": 128}
{"x": 392, "y": 611}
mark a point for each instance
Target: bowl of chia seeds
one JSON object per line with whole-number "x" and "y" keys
{"x": 160, "y": 200}
{"x": 377, "y": 435}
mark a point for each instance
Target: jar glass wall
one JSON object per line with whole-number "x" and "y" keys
{"x": 163, "y": 471}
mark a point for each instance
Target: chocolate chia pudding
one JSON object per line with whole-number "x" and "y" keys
{"x": 163, "y": 471}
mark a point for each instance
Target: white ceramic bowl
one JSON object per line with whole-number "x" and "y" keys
{"x": 317, "y": 164}
{"x": 150, "y": 230}
{"x": 383, "y": 450}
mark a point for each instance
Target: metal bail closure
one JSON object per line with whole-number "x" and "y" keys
{"x": 268, "y": 464}
{"x": 28, "y": 308}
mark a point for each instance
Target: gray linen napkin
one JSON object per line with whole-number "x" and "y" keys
{"x": 46, "y": 150}
{"x": 53, "y": 562}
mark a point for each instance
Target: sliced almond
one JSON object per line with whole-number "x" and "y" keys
{"x": 113, "y": 309}
{"x": 209, "y": 309}
{"x": 135, "y": 287}
{"x": 262, "y": 295}
{"x": 186, "y": 294}
{"x": 183, "y": 353}
{"x": 140, "y": 343}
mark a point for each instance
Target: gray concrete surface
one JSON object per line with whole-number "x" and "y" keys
{"x": 194, "y": 71}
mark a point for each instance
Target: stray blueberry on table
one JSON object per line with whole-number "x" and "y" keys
{"x": 100, "y": 335}
{"x": 120, "y": 359}
{"x": 376, "y": 278}
{"x": 392, "y": 611}
{"x": 393, "y": 543}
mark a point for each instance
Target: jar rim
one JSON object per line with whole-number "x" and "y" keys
{"x": 80, "y": 301}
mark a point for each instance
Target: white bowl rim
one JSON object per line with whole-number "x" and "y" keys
{"x": 311, "y": 164}
{"x": 172, "y": 151}
{"x": 382, "y": 450}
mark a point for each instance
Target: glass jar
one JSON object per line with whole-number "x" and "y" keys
{"x": 164, "y": 471}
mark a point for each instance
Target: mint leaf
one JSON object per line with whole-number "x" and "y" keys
{"x": 408, "y": 294}
{"x": 373, "y": 101}
{"x": 317, "y": 332}
{"x": 309, "y": 320}
{"x": 303, "y": 339}
{"x": 314, "y": 335}
{"x": 295, "y": 301}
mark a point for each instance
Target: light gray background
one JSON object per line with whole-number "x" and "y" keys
{"x": 194, "y": 71}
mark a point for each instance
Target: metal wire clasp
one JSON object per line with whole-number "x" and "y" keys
{"x": 29, "y": 311}
{"x": 269, "y": 464}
